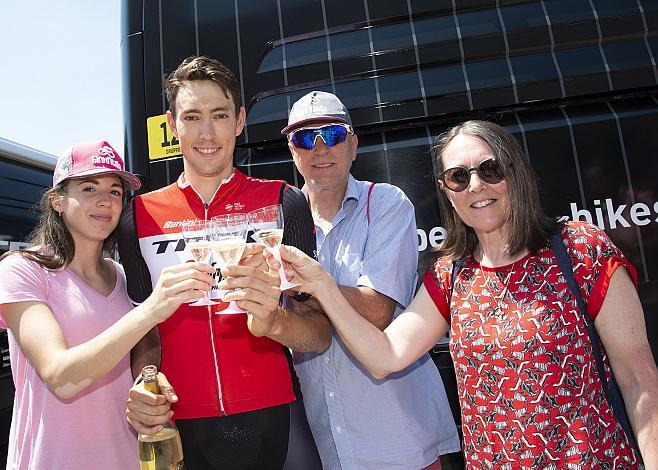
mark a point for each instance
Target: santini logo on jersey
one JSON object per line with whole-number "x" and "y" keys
{"x": 175, "y": 223}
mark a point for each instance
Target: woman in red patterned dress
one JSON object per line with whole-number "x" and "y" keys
{"x": 527, "y": 380}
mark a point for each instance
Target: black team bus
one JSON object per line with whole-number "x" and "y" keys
{"x": 575, "y": 81}
{"x": 24, "y": 174}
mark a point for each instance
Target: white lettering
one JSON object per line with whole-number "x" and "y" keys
{"x": 422, "y": 239}
{"x": 96, "y": 159}
{"x": 599, "y": 214}
{"x": 437, "y": 235}
{"x": 640, "y": 210}
{"x": 577, "y": 213}
{"x": 615, "y": 216}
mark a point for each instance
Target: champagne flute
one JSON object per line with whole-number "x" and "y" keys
{"x": 197, "y": 241}
{"x": 267, "y": 224}
{"x": 228, "y": 238}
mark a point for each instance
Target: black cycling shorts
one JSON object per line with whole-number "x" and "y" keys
{"x": 254, "y": 440}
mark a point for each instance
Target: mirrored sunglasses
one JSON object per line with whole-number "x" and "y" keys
{"x": 331, "y": 135}
{"x": 458, "y": 178}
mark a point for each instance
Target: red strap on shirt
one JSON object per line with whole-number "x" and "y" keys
{"x": 372, "y": 185}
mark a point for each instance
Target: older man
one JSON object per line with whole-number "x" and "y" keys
{"x": 366, "y": 239}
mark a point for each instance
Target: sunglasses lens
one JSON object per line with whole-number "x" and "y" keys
{"x": 304, "y": 139}
{"x": 456, "y": 179}
{"x": 331, "y": 135}
{"x": 490, "y": 171}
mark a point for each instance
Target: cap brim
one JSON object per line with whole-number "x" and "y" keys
{"x": 130, "y": 181}
{"x": 302, "y": 123}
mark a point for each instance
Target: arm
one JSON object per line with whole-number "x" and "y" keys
{"x": 374, "y": 306}
{"x": 406, "y": 339}
{"x": 296, "y": 326}
{"x": 138, "y": 282}
{"x": 147, "y": 351}
{"x": 631, "y": 360}
{"x": 69, "y": 370}
{"x": 387, "y": 268}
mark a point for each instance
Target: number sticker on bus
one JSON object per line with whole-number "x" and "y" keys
{"x": 162, "y": 143}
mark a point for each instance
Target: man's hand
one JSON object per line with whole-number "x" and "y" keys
{"x": 252, "y": 256}
{"x": 147, "y": 412}
{"x": 256, "y": 291}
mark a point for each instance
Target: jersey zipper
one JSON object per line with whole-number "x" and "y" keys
{"x": 220, "y": 396}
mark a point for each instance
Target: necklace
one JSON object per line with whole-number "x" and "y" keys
{"x": 497, "y": 311}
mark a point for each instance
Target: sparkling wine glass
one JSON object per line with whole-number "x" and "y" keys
{"x": 228, "y": 238}
{"x": 197, "y": 241}
{"x": 267, "y": 224}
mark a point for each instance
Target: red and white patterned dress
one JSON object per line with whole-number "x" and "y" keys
{"x": 528, "y": 387}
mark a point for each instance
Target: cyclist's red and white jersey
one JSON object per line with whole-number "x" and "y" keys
{"x": 215, "y": 364}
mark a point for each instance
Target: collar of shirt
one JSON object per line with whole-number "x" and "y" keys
{"x": 349, "y": 205}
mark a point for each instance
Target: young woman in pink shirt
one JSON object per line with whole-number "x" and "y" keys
{"x": 71, "y": 324}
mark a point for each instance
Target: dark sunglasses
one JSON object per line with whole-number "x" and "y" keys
{"x": 458, "y": 178}
{"x": 331, "y": 135}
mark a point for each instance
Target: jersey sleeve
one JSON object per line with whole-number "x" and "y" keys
{"x": 390, "y": 257}
{"x": 595, "y": 259}
{"x": 138, "y": 277}
{"x": 437, "y": 282}
{"x": 298, "y": 226}
{"x": 23, "y": 281}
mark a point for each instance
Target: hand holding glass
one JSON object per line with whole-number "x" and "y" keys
{"x": 197, "y": 241}
{"x": 267, "y": 223}
{"x": 228, "y": 237}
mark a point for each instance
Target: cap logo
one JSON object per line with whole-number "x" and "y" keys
{"x": 316, "y": 109}
{"x": 106, "y": 157}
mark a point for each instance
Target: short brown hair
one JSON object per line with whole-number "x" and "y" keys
{"x": 202, "y": 68}
{"x": 529, "y": 227}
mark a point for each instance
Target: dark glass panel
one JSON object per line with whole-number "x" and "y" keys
{"x": 490, "y": 82}
{"x": 583, "y": 70}
{"x": 292, "y": 11}
{"x": 432, "y": 30}
{"x": 351, "y": 44}
{"x": 630, "y": 64}
{"x": 344, "y": 12}
{"x": 392, "y": 36}
{"x": 379, "y": 9}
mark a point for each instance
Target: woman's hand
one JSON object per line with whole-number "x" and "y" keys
{"x": 300, "y": 268}
{"x": 178, "y": 284}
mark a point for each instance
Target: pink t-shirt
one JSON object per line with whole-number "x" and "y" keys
{"x": 89, "y": 430}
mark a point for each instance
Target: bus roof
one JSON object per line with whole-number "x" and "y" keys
{"x": 28, "y": 155}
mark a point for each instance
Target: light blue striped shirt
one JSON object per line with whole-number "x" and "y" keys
{"x": 359, "y": 422}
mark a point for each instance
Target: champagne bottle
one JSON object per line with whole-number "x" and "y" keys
{"x": 163, "y": 450}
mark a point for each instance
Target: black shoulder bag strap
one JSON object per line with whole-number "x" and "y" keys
{"x": 612, "y": 392}
{"x": 456, "y": 266}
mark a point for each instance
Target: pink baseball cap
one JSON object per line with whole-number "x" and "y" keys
{"x": 93, "y": 158}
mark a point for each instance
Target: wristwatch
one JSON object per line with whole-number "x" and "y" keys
{"x": 301, "y": 296}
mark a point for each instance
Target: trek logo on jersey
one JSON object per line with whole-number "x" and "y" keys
{"x": 175, "y": 223}
{"x": 238, "y": 206}
{"x": 107, "y": 157}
